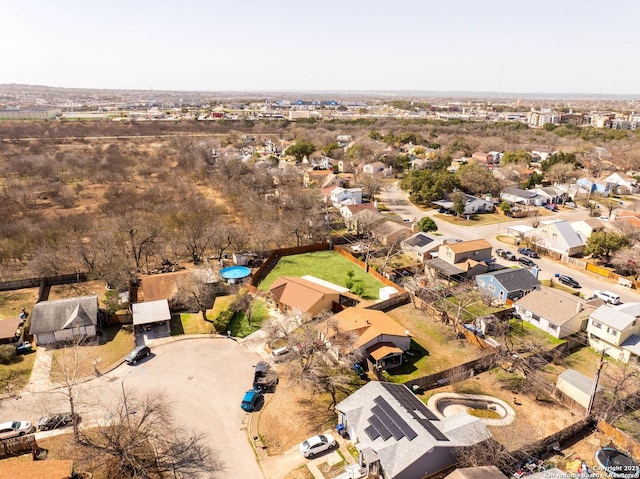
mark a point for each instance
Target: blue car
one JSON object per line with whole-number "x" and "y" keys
{"x": 251, "y": 400}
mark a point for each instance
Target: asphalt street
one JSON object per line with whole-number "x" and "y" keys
{"x": 204, "y": 380}
{"x": 398, "y": 203}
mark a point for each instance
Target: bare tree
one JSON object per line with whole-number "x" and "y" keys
{"x": 197, "y": 291}
{"x": 149, "y": 443}
{"x": 67, "y": 370}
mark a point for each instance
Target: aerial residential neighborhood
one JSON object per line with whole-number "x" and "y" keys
{"x": 267, "y": 240}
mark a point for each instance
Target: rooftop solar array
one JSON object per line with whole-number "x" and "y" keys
{"x": 418, "y": 410}
{"x": 419, "y": 240}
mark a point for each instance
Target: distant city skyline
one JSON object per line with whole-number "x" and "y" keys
{"x": 495, "y": 46}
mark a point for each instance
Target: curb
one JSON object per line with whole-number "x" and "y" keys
{"x": 119, "y": 362}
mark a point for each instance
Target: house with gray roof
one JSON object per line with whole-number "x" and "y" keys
{"x": 558, "y": 236}
{"x": 398, "y": 437}
{"x": 472, "y": 205}
{"x": 616, "y": 330}
{"x": 555, "y": 311}
{"x": 421, "y": 245}
{"x": 507, "y": 284}
{"x": 64, "y": 320}
{"x": 515, "y": 195}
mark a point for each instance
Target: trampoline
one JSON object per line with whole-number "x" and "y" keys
{"x": 234, "y": 273}
{"x": 616, "y": 463}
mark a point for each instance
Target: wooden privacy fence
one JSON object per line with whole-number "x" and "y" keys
{"x": 622, "y": 440}
{"x": 457, "y": 373}
{"x": 17, "y": 446}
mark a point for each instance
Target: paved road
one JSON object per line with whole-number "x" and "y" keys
{"x": 399, "y": 204}
{"x": 204, "y": 379}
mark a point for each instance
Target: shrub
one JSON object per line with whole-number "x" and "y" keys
{"x": 222, "y": 322}
{"x": 7, "y": 353}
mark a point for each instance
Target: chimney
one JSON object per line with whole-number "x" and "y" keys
{"x": 578, "y": 306}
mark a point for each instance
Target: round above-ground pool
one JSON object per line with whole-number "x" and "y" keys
{"x": 234, "y": 273}
{"x": 448, "y": 404}
{"x": 617, "y": 464}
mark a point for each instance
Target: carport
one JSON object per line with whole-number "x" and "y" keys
{"x": 151, "y": 320}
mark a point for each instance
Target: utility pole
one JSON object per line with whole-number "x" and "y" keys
{"x": 124, "y": 398}
{"x": 596, "y": 379}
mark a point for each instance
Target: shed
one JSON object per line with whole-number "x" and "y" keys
{"x": 9, "y": 330}
{"x": 152, "y": 314}
{"x": 576, "y": 385}
{"x": 387, "y": 292}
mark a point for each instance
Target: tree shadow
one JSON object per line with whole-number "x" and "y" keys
{"x": 176, "y": 325}
{"x": 408, "y": 366}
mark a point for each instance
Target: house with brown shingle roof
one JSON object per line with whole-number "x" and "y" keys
{"x": 305, "y": 294}
{"x": 461, "y": 258}
{"x": 376, "y": 335}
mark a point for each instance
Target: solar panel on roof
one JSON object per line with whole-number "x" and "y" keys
{"x": 377, "y": 424}
{"x": 372, "y": 432}
{"x": 418, "y": 410}
{"x": 437, "y": 434}
{"x": 384, "y": 418}
{"x": 409, "y": 401}
{"x": 395, "y": 418}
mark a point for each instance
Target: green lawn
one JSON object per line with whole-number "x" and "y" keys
{"x": 239, "y": 325}
{"x": 522, "y": 330}
{"x": 190, "y": 323}
{"x": 325, "y": 265}
{"x": 17, "y": 373}
{"x": 116, "y": 341}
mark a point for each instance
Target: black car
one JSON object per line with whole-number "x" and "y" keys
{"x": 55, "y": 421}
{"x": 264, "y": 378}
{"x": 569, "y": 281}
{"x": 137, "y": 354}
{"x": 526, "y": 262}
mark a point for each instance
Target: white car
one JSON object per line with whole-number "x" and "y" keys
{"x": 607, "y": 296}
{"x": 317, "y": 444}
{"x": 15, "y": 429}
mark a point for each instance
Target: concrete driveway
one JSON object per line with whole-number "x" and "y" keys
{"x": 203, "y": 378}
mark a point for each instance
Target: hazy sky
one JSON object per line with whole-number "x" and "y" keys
{"x": 541, "y": 46}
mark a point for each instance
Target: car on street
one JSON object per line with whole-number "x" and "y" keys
{"x": 527, "y": 262}
{"x": 137, "y": 354}
{"x": 317, "y": 444}
{"x": 502, "y": 253}
{"x": 528, "y": 252}
{"x": 604, "y": 218}
{"x": 568, "y": 281}
{"x": 607, "y": 296}
{"x": 55, "y": 421}
{"x": 264, "y": 377}
{"x": 15, "y": 428}
{"x": 251, "y": 399}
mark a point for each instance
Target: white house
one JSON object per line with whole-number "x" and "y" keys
{"x": 555, "y": 311}
{"x": 624, "y": 184}
{"x": 587, "y": 227}
{"x": 616, "y": 330}
{"x": 558, "y": 236}
{"x": 374, "y": 168}
{"x": 472, "y": 205}
{"x": 346, "y": 196}
{"x": 516, "y": 195}
{"x": 421, "y": 245}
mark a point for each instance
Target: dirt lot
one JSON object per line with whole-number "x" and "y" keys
{"x": 12, "y": 301}
{"x": 290, "y": 415}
